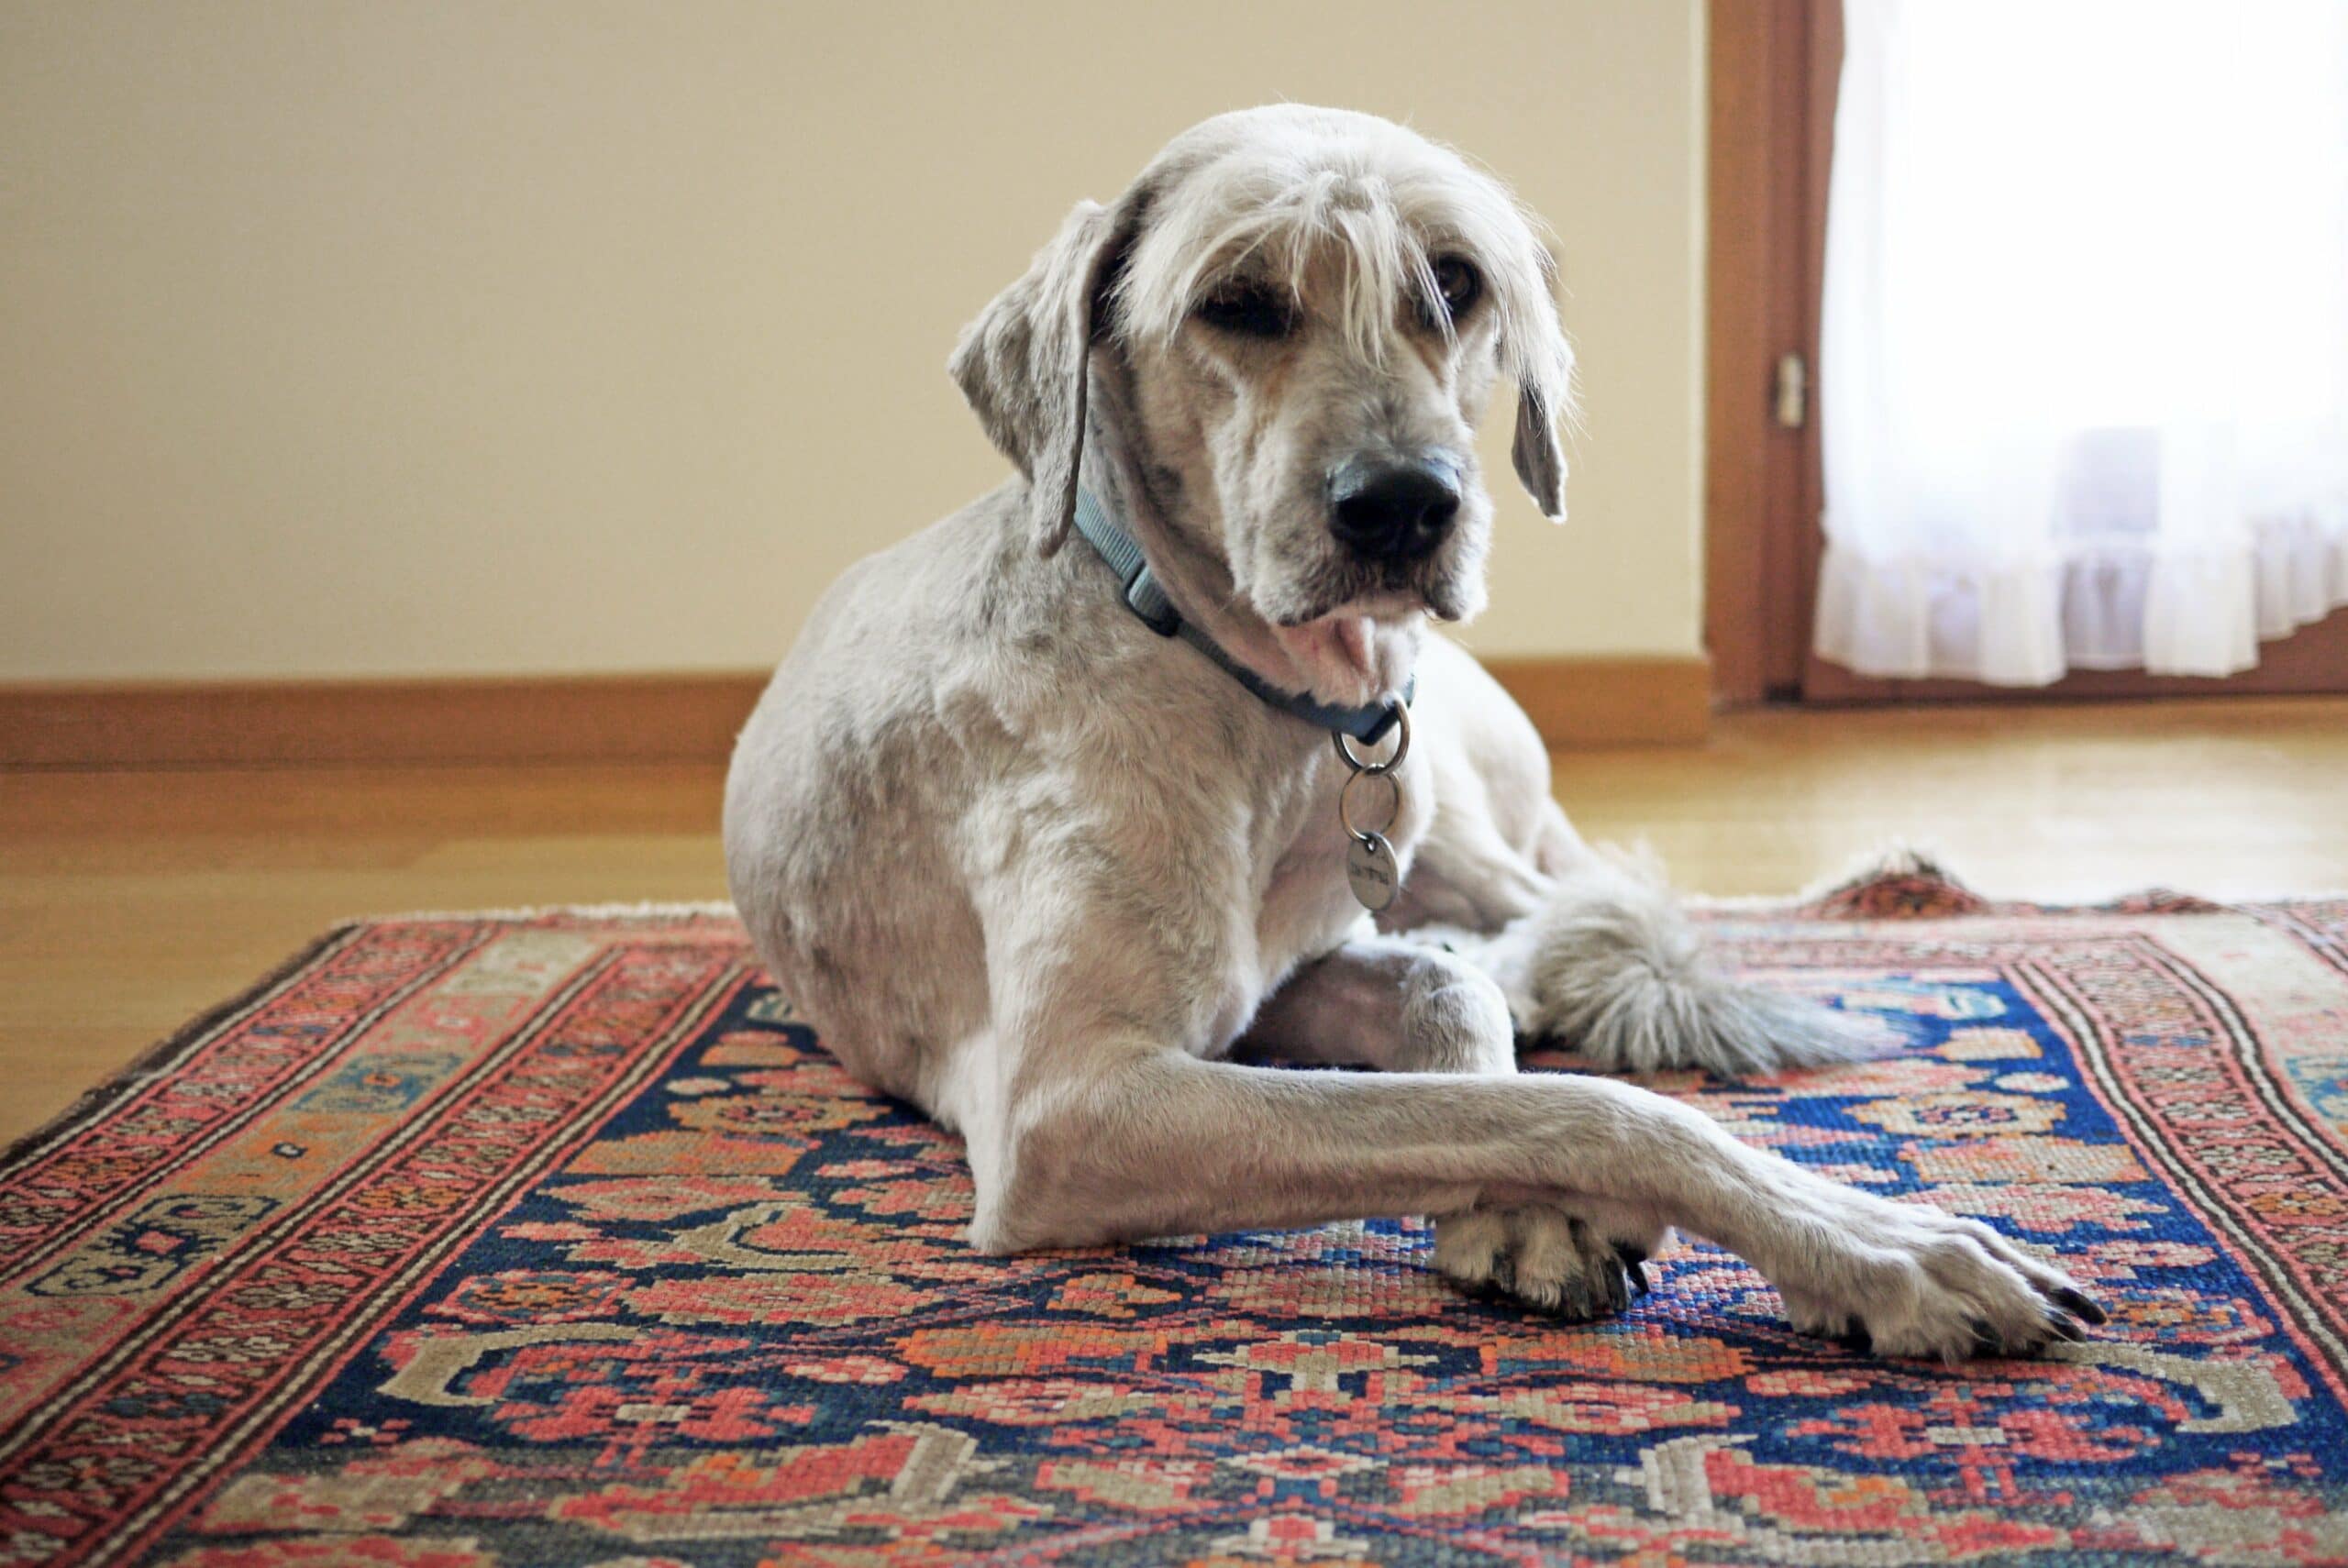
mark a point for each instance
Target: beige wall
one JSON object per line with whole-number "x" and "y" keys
{"x": 353, "y": 338}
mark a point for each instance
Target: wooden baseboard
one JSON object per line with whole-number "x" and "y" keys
{"x": 576, "y": 719}
{"x": 1612, "y": 702}
{"x": 625, "y": 718}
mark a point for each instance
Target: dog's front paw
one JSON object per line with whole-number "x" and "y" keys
{"x": 1903, "y": 1280}
{"x": 1541, "y": 1256}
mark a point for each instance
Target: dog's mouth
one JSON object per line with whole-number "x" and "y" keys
{"x": 1435, "y": 597}
{"x": 1351, "y": 588}
{"x": 1353, "y": 655}
{"x": 1350, "y": 628}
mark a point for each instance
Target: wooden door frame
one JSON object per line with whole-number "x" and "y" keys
{"x": 1773, "y": 67}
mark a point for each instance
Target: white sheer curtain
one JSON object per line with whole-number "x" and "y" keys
{"x": 2084, "y": 374}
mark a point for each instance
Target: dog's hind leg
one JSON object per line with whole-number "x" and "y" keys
{"x": 1390, "y": 1003}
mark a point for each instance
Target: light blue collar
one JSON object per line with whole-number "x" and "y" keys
{"x": 1142, "y": 595}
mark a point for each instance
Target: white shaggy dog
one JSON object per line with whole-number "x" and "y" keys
{"x": 1059, "y": 879}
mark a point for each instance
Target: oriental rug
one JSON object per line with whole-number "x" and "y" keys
{"x": 557, "y": 1239}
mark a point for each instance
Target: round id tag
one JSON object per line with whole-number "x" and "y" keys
{"x": 1369, "y": 867}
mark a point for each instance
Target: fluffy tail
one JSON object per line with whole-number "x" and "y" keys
{"x": 1612, "y": 968}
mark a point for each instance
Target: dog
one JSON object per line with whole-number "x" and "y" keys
{"x": 1074, "y": 885}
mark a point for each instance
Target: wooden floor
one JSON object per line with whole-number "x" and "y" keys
{"x": 129, "y": 902}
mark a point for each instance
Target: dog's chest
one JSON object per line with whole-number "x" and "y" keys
{"x": 1308, "y": 905}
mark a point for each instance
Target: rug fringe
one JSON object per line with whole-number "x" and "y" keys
{"x": 644, "y": 909}
{"x": 160, "y": 1058}
{"x": 165, "y": 1054}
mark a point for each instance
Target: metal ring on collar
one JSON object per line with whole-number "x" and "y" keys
{"x": 1401, "y": 743}
{"x": 1346, "y": 805}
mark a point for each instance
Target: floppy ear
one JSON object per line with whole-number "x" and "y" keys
{"x": 1539, "y": 456}
{"x": 1543, "y": 391}
{"x": 1023, "y": 363}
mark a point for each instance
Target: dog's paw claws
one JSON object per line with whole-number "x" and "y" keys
{"x": 2079, "y": 1305}
{"x": 1934, "y": 1286}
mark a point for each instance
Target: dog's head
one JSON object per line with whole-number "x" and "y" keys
{"x": 1290, "y": 324}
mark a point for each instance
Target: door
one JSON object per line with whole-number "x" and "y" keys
{"x": 1774, "y": 70}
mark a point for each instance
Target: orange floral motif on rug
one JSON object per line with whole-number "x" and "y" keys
{"x": 557, "y": 1239}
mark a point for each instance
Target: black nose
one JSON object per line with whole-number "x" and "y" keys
{"x": 1393, "y": 510}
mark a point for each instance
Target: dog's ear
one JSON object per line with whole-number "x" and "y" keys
{"x": 1023, "y": 364}
{"x": 1539, "y": 456}
{"x": 1544, "y": 393}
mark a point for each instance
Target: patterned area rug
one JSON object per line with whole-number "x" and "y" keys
{"x": 554, "y": 1239}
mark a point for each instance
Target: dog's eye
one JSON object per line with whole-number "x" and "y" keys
{"x": 1248, "y": 310}
{"x": 1459, "y": 284}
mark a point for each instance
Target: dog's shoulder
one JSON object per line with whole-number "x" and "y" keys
{"x": 965, "y": 634}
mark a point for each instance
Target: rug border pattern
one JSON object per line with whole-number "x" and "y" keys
{"x": 275, "y": 1391}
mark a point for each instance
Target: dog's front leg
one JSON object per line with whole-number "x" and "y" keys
{"x": 1407, "y": 1007}
{"x": 1138, "y": 1140}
